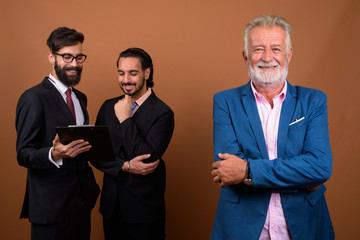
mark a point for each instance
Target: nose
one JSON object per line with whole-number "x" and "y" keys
{"x": 125, "y": 78}
{"x": 267, "y": 57}
{"x": 74, "y": 63}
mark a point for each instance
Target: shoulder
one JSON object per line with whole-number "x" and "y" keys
{"x": 310, "y": 95}
{"x": 109, "y": 104}
{"x": 157, "y": 103}
{"x": 33, "y": 99}
{"x": 233, "y": 93}
{"x": 79, "y": 94}
{"x": 34, "y": 93}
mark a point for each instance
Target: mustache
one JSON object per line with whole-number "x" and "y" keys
{"x": 270, "y": 64}
{"x": 128, "y": 84}
{"x": 73, "y": 68}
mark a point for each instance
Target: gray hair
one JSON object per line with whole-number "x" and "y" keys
{"x": 268, "y": 21}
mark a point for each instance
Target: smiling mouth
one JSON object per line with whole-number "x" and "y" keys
{"x": 267, "y": 67}
{"x": 128, "y": 86}
{"x": 71, "y": 70}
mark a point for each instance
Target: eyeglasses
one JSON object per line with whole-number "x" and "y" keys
{"x": 68, "y": 58}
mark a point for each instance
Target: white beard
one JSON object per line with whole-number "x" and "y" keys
{"x": 270, "y": 78}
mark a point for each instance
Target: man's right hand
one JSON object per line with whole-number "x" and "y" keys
{"x": 70, "y": 150}
{"x": 137, "y": 166}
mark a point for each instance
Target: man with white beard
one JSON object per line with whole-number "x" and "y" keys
{"x": 271, "y": 146}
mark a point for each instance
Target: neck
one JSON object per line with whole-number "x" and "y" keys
{"x": 270, "y": 92}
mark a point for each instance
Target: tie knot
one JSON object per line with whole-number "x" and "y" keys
{"x": 133, "y": 105}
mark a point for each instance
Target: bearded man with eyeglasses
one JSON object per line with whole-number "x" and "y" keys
{"x": 60, "y": 189}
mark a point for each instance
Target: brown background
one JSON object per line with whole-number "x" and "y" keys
{"x": 196, "y": 46}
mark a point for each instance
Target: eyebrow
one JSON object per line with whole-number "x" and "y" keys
{"x": 260, "y": 45}
{"x": 271, "y": 46}
{"x": 131, "y": 71}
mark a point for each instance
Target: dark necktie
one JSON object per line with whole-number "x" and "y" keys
{"x": 70, "y": 103}
{"x": 133, "y": 106}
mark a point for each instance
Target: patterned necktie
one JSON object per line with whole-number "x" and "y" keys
{"x": 70, "y": 103}
{"x": 133, "y": 106}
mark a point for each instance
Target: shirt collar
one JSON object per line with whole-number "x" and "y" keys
{"x": 258, "y": 95}
{"x": 59, "y": 85}
{"x": 142, "y": 99}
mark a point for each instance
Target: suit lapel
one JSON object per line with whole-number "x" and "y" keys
{"x": 59, "y": 101}
{"x": 287, "y": 112}
{"x": 252, "y": 113}
{"x": 83, "y": 105}
{"x": 145, "y": 108}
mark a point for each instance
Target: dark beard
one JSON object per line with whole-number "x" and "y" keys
{"x": 65, "y": 79}
{"x": 136, "y": 91}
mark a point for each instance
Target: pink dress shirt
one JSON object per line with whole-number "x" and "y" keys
{"x": 141, "y": 100}
{"x": 275, "y": 226}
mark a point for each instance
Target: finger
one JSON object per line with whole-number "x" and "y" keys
{"x": 214, "y": 173}
{"x": 223, "y": 155}
{"x": 76, "y": 142}
{"x": 56, "y": 139}
{"x": 76, "y": 151}
{"x": 151, "y": 166}
{"x": 127, "y": 98}
{"x": 141, "y": 157}
{"x": 215, "y": 165}
{"x": 217, "y": 179}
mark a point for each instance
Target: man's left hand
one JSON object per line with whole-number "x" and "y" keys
{"x": 231, "y": 170}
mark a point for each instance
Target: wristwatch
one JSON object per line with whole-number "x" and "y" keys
{"x": 248, "y": 178}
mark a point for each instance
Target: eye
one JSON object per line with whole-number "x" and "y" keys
{"x": 121, "y": 73}
{"x": 258, "y": 50}
{"x": 80, "y": 58}
{"x": 67, "y": 57}
{"x": 134, "y": 73}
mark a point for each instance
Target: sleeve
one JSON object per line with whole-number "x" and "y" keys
{"x": 312, "y": 166}
{"x": 113, "y": 168}
{"x": 29, "y": 123}
{"x": 224, "y": 137}
{"x": 134, "y": 143}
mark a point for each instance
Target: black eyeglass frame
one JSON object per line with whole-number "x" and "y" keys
{"x": 73, "y": 57}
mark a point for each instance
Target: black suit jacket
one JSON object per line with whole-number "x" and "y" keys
{"x": 52, "y": 194}
{"x": 139, "y": 198}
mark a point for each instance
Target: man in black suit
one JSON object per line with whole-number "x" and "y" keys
{"x": 60, "y": 189}
{"x": 132, "y": 202}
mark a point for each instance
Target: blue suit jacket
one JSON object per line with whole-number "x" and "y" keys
{"x": 304, "y": 160}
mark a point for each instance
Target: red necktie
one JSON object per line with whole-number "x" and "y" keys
{"x": 70, "y": 103}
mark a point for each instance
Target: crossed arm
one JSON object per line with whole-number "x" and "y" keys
{"x": 309, "y": 169}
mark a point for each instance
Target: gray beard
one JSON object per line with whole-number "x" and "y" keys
{"x": 268, "y": 79}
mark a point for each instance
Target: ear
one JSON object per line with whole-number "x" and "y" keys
{"x": 290, "y": 54}
{"x": 245, "y": 57}
{"x": 51, "y": 58}
{"x": 147, "y": 73}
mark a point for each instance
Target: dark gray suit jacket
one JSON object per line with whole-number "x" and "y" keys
{"x": 140, "y": 198}
{"x": 52, "y": 194}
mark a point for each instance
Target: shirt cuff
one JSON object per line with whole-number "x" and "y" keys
{"x": 56, "y": 163}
